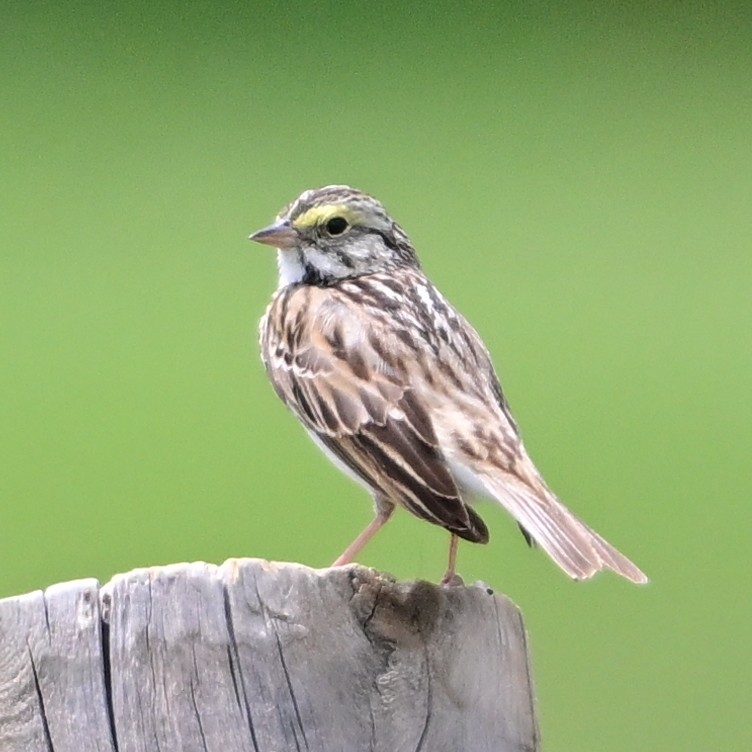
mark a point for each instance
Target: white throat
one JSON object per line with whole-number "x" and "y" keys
{"x": 291, "y": 269}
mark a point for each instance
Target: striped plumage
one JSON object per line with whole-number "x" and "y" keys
{"x": 395, "y": 385}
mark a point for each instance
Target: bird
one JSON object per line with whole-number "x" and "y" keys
{"x": 398, "y": 389}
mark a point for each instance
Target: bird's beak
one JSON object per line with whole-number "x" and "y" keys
{"x": 279, "y": 235}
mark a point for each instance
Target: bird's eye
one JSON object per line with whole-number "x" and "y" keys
{"x": 336, "y": 225}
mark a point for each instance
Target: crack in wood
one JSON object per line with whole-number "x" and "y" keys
{"x": 104, "y": 635}
{"x": 40, "y": 700}
{"x": 236, "y": 671}
{"x": 290, "y": 689}
{"x": 263, "y": 656}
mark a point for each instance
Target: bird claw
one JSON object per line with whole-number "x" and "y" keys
{"x": 452, "y": 579}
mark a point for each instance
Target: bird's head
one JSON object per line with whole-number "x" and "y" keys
{"x": 334, "y": 233}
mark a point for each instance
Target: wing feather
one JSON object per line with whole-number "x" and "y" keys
{"x": 343, "y": 382}
{"x": 361, "y": 383}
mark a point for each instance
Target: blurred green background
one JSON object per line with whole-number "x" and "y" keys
{"x": 577, "y": 180}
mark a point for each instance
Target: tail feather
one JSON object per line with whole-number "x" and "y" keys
{"x": 616, "y": 560}
{"x": 577, "y": 549}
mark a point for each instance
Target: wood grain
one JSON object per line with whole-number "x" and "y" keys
{"x": 254, "y": 656}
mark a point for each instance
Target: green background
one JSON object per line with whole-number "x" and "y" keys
{"x": 576, "y": 180}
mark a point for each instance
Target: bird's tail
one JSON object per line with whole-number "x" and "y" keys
{"x": 577, "y": 549}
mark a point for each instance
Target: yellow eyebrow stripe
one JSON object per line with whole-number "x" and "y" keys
{"x": 320, "y": 214}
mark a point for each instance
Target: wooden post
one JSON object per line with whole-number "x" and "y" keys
{"x": 254, "y": 656}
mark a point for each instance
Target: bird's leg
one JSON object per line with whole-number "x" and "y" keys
{"x": 451, "y": 578}
{"x": 384, "y": 511}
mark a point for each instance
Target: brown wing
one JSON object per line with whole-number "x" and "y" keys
{"x": 347, "y": 381}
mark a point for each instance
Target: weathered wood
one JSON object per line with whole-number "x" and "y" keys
{"x": 52, "y": 683}
{"x": 254, "y": 656}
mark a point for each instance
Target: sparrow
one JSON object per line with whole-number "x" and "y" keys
{"x": 398, "y": 389}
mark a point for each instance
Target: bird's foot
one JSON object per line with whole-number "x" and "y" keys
{"x": 451, "y": 579}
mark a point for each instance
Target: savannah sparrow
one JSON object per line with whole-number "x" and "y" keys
{"x": 397, "y": 388}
